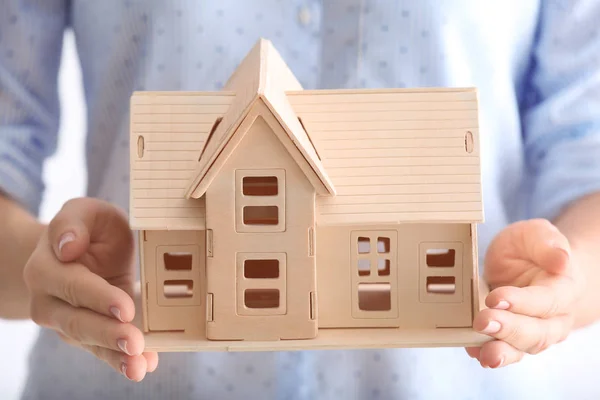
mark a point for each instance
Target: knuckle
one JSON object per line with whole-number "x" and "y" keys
{"x": 513, "y": 334}
{"x": 72, "y": 327}
{"x": 69, "y": 291}
{"x": 551, "y": 309}
{"x": 108, "y": 337}
{"x": 541, "y": 344}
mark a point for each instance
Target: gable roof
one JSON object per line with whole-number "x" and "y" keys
{"x": 396, "y": 155}
{"x": 392, "y": 155}
{"x": 262, "y": 76}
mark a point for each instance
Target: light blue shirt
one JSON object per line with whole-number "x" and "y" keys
{"x": 536, "y": 64}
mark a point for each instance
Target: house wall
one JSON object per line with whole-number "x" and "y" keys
{"x": 337, "y": 275}
{"x": 162, "y": 311}
{"x": 260, "y": 149}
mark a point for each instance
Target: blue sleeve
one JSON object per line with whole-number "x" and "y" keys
{"x": 31, "y": 35}
{"x": 561, "y": 122}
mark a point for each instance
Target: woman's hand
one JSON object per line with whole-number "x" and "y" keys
{"x": 534, "y": 286}
{"x": 81, "y": 277}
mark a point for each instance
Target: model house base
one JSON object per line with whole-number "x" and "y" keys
{"x": 194, "y": 339}
{"x": 272, "y": 217}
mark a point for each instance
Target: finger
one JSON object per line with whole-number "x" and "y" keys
{"x": 87, "y": 327}
{"x": 473, "y": 352}
{"x": 81, "y": 222}
{"x": 497, "y": 353}
{"x": 528, "y": 334}
{"x": 151, "y": 357}
{"x": 151, "y": 360}
{"x": 534, "y": 301}
{"x": 132, "y": 367}
{"x": 78, "y": 286}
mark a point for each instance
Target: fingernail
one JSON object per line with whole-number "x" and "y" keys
{"x": 117, "y": 313}
{"x": 502, "y": 305}
{"x": 561, "y": 248}
{"x": 500, "y": 363}
{"x": 567, "y": 253}
{"x": 492, "y": 327}
{"x": 64, "y": 239}
{"x": 124, "y": 370}
{"x": 122, "y": 343}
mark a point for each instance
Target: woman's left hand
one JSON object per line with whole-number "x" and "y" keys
{"x": 535, "y": 285}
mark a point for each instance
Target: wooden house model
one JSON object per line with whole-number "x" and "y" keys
{"x": 272, "y": 217}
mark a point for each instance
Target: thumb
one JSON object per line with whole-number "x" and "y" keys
{"x": 69, "y": 232}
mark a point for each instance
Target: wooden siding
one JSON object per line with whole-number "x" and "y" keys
{"x": 395, "y": 155}
{"x": 174, "y": 126}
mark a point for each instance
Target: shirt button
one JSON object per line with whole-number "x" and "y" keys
{"x": 304, "y": 16}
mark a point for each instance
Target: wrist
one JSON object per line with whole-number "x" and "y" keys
{"x": 19, "y": 234}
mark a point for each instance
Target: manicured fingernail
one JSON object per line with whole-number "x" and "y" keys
{"x": 64, "y": 239}
{"x": 499, "y": 364}
{"x": 124, "y": 370}
{"x": 502, "y": 305}
{"x": 492, "y": 327}
{"x": 117, "y": 313}
{"x": 122, "y": 343}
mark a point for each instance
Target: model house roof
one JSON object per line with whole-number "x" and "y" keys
{"x": 167, "y": 132}
{"x": 374, "y": 156}
{"x": 261, "y": 76}
{"x": 397, "y": 155}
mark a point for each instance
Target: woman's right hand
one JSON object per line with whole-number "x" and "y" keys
{"x": 81, "y": 277}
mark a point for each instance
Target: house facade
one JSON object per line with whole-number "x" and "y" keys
{"x": 270, "y": 213}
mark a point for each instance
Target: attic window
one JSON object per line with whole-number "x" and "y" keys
{"x": 140, "y": 146}
{"x": 260, "y": 186}
{"x": 260, "y": 200}
{"x": 469, "y": 142}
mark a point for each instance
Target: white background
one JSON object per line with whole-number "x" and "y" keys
{"x": 65, "y": 176}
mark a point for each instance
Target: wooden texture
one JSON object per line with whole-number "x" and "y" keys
{"x": 194, "y": 339}
{"x": 398, "y": 169}
{"x": 327, "y": 339}
{"x": 280, "y": 79}
{"x": 174, "y": 126}
{"x": 395, "y": 154}
{"x": 262, "y": 76}
{"x": 170, "y": 314}
{"x": 337, "y": 276}
{"x": 266, "y": 147}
